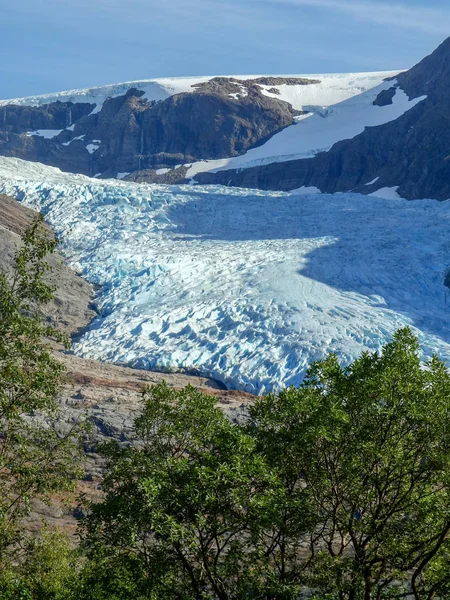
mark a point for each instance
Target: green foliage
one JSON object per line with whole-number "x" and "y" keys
{"x": 110, "y": 577}
{"x": 336, "y": 490}
{"x": 186, "y": 505}
{"x": 36, "y": 459}
{"x": 48, "y": 572}
{"x": 371, "y": 445}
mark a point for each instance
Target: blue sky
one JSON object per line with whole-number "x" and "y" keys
{"x": 53, "y": 45}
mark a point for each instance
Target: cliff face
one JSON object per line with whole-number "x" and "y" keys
{"x": 411, "y": 153}
{"x": 219, "y": 119}
{"x": 71, "y": 308}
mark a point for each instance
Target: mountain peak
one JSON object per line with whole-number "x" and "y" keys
{"x": 430, "y": 76}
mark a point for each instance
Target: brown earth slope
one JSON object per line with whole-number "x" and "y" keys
{"x": 108, "y": 396}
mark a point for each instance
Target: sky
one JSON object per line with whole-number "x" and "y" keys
{"x": 54, "y": 45}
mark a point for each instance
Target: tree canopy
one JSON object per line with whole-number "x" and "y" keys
{"x": 336, "y": 490}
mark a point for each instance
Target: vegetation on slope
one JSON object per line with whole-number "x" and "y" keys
{"x": 36, "y": 458}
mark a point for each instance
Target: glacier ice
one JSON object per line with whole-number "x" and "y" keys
{"x": 243, "y": 285}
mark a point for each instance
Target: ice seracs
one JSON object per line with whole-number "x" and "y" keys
{"x": 246, "y": 286}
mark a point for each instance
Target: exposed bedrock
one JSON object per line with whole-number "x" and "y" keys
{"x": 58, "y": 115}
{"x": 221, "y": 118}
{"x": 411, "y": 153}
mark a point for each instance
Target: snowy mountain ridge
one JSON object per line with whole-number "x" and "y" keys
{"x": 329, "y": 132}
{"x": 169, "y": 130}
{"x": 333, "y": 88}
{"x": 408, "y": 152}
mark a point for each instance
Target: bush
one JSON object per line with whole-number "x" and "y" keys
{"x": 49, "y": 571}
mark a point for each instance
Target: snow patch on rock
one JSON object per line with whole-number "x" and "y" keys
{"x": 48, "y": 134}
{"x": 388, "y": 193}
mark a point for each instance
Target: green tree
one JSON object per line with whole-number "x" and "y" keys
{"x": 336, "y": 490}
{"x": 49, "y": 570}
{"x": 36, "y": 459}
{"x": 184, "y": 508}
{"x": 370, "y": 444}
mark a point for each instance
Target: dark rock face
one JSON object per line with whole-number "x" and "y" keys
{"x": 222, "y": 118}
{"x": 385, "y": 97}
{"x": 447, "y": 280}
{"x": 58, "y": 115}
{"x": 412, "y": 152}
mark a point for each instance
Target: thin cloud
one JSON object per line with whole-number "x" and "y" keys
{"x": 245, "y": 13}
{"x": 427, "y": 20}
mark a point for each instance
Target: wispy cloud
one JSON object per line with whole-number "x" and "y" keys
{"x": 419, "y": 18}
{"x": 250, "y": 13}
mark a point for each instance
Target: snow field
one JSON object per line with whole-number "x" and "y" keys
{"x": 333, "y": 88}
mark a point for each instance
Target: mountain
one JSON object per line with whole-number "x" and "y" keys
{"x": 386, "y": 133}
{"x": 155, "y": 129}
{"x": 408, "y": 156}
{"x": 130, "y": 132}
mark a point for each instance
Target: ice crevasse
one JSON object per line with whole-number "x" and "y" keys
{"x": 246, "y": 286}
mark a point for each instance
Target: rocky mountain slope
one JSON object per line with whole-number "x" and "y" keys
{"x": 72, "y": 307}
{"x": 410, "y": 154}
{"x": 108, "y": 396}
{"x": 152, "y": 131}
{"x": 129, "y": 132}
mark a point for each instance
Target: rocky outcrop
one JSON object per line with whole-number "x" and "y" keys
{"x": 411, "y": 153}
{"x": 221, "y": 118}
{"x": 58, "y": 115}
{"x": 385, "y": 97}
{"x": 224, "y": 86}
{"x": 162, "y": 177}
{"x": 72, "y": 307}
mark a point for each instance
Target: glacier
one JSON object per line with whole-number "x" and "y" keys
{"x": 246, "y": 286}
{"x": 332, "y": 89}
